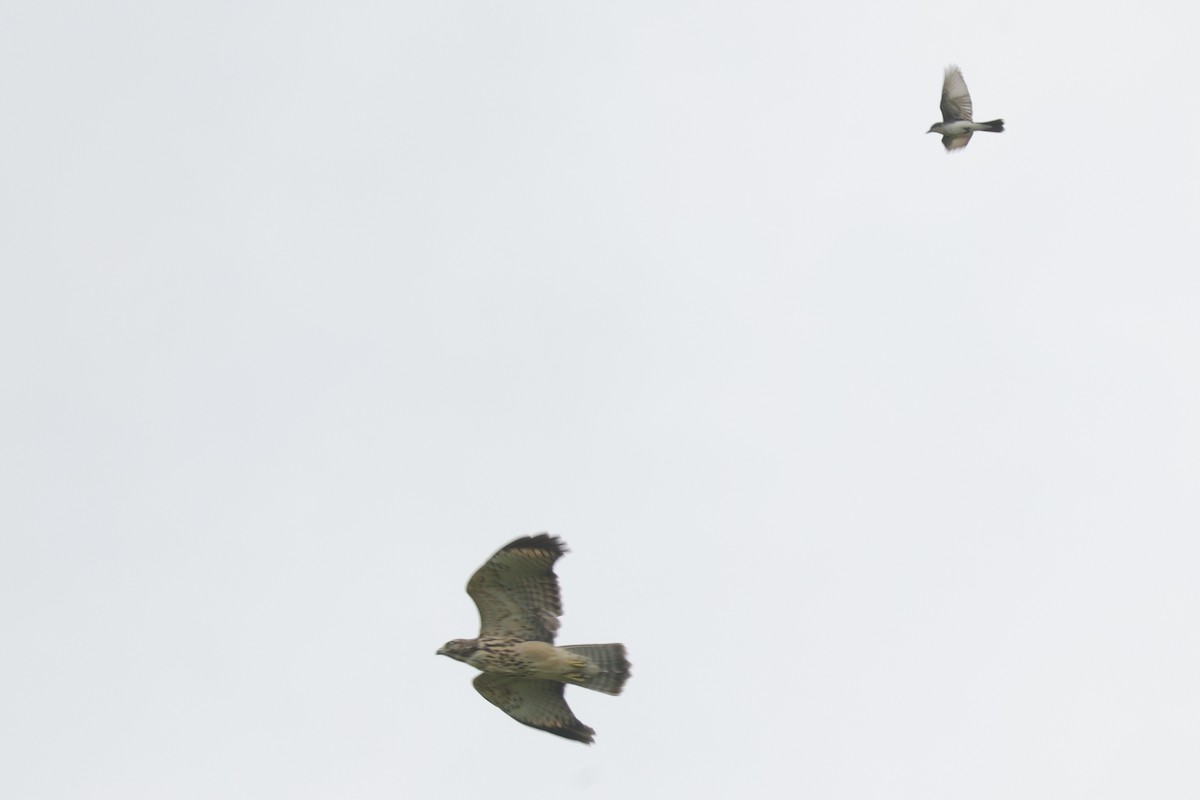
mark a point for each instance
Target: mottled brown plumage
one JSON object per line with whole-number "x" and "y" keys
{"x": 517, "y": 594}
{"x": 516, "y": 591}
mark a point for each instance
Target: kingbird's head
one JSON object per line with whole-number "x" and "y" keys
{"x": 935, "y": 128}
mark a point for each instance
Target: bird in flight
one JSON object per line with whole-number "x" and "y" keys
{"x": 522, "y": 671}
{"x": 956, "y": 126}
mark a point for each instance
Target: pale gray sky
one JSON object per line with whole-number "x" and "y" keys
{"x": 883, "y": 463}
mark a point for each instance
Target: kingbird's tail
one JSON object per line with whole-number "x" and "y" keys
{"x": 608, "y": 671}
{"x": 995, "y": 126}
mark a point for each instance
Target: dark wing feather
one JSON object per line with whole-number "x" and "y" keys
{"x": 516, "y": 591}
{"x": 534, "y": 702}
{"x": 956, "y": 100}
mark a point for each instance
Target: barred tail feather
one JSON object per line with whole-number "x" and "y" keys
{"x": 611, "y": 668}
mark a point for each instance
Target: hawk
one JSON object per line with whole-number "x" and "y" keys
{"x": 956, "y": 126}
{"x": 522, "y": 671}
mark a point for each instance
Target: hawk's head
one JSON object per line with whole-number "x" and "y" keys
{"x": 459, "y": 649}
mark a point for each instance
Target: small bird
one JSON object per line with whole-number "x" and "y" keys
{"x": 956, "y": 126}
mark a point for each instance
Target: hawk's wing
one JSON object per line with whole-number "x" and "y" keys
{"x": 534, "y": 702}
{"x": 956, "y": 100}
{"x": 517, "y": 591}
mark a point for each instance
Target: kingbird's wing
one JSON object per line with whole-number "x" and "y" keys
{"x": 956, "y": 142}
{"x": 956, "y": 100}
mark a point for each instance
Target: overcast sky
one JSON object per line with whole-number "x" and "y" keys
{"x": 884, "y": 463}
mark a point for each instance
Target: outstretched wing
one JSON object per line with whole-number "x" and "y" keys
{"x": 956, "y": 100}
{"x": 534, "y": 702}
{"x": 516, "y": 591}
{"x": 956, "y": 142}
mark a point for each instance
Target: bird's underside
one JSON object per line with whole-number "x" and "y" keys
{"x": 522, "y": 671}
{"x": 957, "y": 124}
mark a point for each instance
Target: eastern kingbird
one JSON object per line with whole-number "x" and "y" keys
{"x": 956, "y": 126}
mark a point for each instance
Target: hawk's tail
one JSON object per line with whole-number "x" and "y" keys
{"x": 611, "y": 669}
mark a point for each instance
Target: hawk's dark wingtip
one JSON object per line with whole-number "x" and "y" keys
{"x": 541, "y": 541}
{"x": 580, "y": 733}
